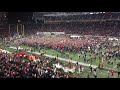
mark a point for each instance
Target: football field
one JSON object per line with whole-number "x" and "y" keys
{"x": 100, "y": 73}
{"x": 75, "y": 57}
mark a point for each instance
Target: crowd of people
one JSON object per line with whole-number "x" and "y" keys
{"x": 100, "y": 28}
{"x": 18, "y": 67}
{"x": 86, "y": 44}
{"x": 62, "y": 43}
{"x": 67, "y": 43}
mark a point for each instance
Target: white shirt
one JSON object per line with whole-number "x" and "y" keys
{"x": 94, "y": 73}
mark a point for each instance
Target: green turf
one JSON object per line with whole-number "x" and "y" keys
{"x": 74, "y": 56}
{"x": 100, "y": 73}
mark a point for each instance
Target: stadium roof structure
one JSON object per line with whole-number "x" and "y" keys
{"x": 75, "y": 16}
{"x": 68, "y": 13}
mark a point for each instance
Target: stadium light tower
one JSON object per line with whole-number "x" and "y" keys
{"x": 9, "y": 30}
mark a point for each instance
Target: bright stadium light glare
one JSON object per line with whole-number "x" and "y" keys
{"x": 97, "y": 12}
{"x": 19, "y": 20}
{"x": 91, "y": 13}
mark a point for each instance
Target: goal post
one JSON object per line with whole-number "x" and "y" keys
{"x": 20, "y": 29}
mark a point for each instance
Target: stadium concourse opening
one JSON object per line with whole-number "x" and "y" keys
{"x": 60, "y": 45}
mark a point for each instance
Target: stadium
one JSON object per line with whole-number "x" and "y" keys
{"x": 60, "y": 45}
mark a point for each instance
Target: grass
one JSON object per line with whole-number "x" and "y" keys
{"x": 75, "y": 57}
{"x": 100, "y": 73}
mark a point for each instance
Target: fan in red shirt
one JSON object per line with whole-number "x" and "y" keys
{"x": 28, "y": 56}
{"x": 14, "y": 53}
{"x": 112, "y": 73}
{"x": 22, "y": 54}
{"x": 34, "y": 55}
{"x": 39, "y": 56}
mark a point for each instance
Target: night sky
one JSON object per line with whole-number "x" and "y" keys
{"x": 14, "y": 16}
